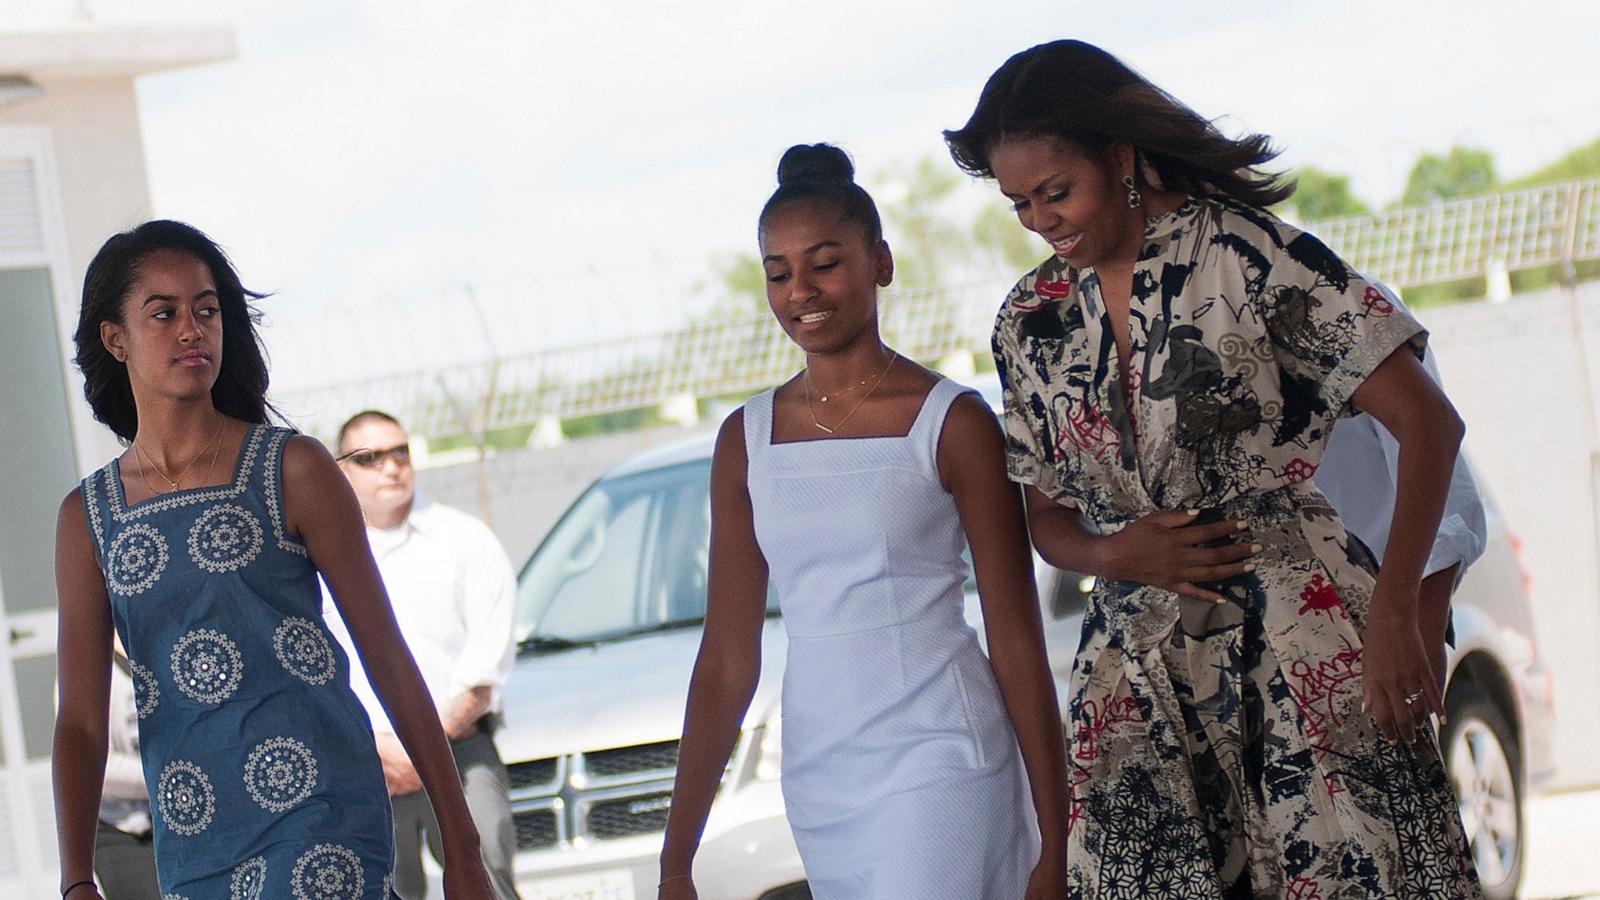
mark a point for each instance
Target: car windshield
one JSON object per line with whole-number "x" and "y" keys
{"x": 628, "y": 558}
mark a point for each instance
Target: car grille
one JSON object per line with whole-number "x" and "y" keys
{"x": 630, "y": 760}
{"x": 608, "y": 794}
{"x": 628, "y": 816}
{"x": 536, "y": 829}
{"x": 533, "y": 774}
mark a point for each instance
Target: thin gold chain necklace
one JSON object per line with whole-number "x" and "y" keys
{"x": 893, "y": 355}
{"x": 824, "y": 398}
{"x": 146, "y": 463}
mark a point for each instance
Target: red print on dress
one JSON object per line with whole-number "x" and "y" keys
{"x": 1088, "y": 430}
{"x": 1298, "y": 470}
{"x": 1320, "y": 597}
{"x": 1318, "y": 687}
{"x": 1303, "y": 888}
{"x": 1053, "y": 290}
{"x": 1096, "y": 718}
{"x": 1376, "y": 303}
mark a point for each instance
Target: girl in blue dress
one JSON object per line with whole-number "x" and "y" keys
{"x": 201, "y": 545}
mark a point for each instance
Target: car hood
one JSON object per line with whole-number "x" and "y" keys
{"x": 617, "y": 694}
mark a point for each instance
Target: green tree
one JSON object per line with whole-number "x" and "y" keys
{"x": 739, "y": 284}
{"x": 1324, "y": 195}
{"x": 1463, "y": 172}
{"x": 1584, "y": 162}
{"x": 918, "y": 221}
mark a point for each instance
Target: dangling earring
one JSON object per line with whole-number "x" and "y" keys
{"x": 1134, "y": 197}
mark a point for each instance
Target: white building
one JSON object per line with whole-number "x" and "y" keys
{"x": 72, "y": 172}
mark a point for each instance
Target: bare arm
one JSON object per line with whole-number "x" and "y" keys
{"x": 1408, "y": 403}
{"x": 321, "y": 508}
{"x": 972, "y": 465}
{"x": 83, "y": 674}
{"x": 729, "y": 664}
{"x": 1161, "y": 549}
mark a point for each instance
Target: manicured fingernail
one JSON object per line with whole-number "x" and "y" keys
{"x": 1242, "y": 525}
{"x": 1218, "y": 601}
{"x": 1256, "y": 548}
{"x": 1365, "y": 706}
{"x": 1250, "y": 567}
{"x": 1191, "y": 512}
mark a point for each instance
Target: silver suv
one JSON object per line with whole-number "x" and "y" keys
{"x": 609, "y": 615}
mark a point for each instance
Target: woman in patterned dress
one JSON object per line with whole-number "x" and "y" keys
{"x": 1250, "y": 715}
{"x": 201, "y": 546}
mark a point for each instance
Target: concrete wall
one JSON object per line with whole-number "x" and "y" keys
{"x": 1517, "y": 372}
{"x": 1514, "y": 371}
{"x": 100, "y": 182}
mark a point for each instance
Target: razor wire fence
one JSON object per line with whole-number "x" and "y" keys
{"x": 1556, "y": 224}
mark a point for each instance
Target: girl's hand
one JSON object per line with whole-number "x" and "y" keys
{"x": 1400, "y": 689}
{"x": 1048, "y": 881}
{"x": 1163, "y": 549}
{"x": 677, "y": 888}
{"x": 467, "y": 881}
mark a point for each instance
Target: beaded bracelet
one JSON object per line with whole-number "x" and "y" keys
{"x": 75, "y": 885}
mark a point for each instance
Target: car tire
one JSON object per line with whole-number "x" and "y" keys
{"x": 1484, "y": 762}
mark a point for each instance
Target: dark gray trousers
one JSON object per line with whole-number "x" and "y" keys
{"x": 125, "y": 864}
{"x": 484, "y": 781}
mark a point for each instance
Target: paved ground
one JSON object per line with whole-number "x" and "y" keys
{"x": 1563, "y": 847}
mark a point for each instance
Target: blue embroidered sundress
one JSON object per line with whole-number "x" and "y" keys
{"x": 263, "y": 777}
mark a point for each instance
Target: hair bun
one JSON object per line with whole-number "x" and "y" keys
{"x": 816, "y": 163}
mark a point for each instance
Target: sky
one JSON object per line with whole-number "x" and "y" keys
{"x": 417, "y": 181}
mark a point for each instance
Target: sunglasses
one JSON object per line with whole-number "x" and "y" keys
{"x": 372, "y": 459}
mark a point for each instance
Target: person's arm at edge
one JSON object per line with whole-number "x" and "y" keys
{"x": 322, "y": 509}
{"x": 728, "y": 666}
{"x": 1410, "y": 405}
{"x": 971, "y": 460}
{"x": 83, "y": 674}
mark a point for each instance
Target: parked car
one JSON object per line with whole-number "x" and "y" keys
{"x": 609, "y": 614}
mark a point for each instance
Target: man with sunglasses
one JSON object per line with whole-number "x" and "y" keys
{"x": 452, "y": 589}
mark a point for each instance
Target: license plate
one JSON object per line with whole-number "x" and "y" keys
{"x": 612, "y": 885}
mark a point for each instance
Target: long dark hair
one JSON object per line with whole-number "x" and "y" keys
{"x": 241, "y": 387}
{"x": 824, "y": 172}
{"x": 1077, "y": 92}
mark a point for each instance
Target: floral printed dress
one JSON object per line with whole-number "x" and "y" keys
{"x": 1221, "y": 751}
{"x": 263, "y": 777}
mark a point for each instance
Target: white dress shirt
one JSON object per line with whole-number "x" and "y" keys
{"x": 453, "y": 590}
{"x": 1358, "y": 474}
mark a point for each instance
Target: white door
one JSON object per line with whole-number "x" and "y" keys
{"x": 37, "y": 467}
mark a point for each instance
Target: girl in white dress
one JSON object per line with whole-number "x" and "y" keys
{"x": 854, "y": 487}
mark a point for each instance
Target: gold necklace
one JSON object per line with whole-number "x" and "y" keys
{"x": 823, "y": 398}
{"x": 146, "y": 463}
{"x": 893, "y": 355}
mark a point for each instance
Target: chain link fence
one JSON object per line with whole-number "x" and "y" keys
{"x": 1556, "y": 224}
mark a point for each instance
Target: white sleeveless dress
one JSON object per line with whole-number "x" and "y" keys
{"x": 901, "y": 772}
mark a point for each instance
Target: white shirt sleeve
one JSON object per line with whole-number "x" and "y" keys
{"x": 1361, "y": 446}
{"x": 359, "y": 684}
{"x": 486, "y": 598}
